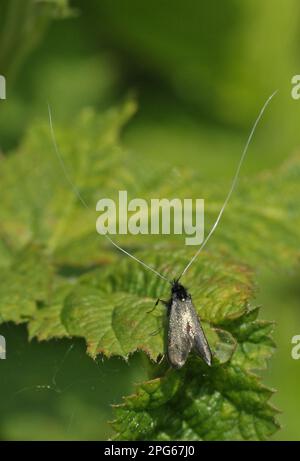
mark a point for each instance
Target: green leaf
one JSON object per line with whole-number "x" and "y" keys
{"x": 112, "y": 324}
{"x": 42, "y": 220}
{"x": 64, "y": 280}
{"x": 255, "y": 345}
{"x": 38, "y": 203}
{"x": 46, "y": 322}
{"x": 24, "y": 284}
{"x": 224, "y": 403}
{"x": 114, "y": 310}
{"x": 258, "y": 227}
{"x": 111, "y": 310}
{"x": 260, "y": 224}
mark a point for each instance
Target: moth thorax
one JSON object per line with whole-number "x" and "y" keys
{"x": 179, "y": 291}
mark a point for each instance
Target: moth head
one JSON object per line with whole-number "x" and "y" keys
{"x": 178, "y": 291}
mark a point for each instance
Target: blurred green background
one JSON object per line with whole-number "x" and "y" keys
{"x": 200, "y": 71}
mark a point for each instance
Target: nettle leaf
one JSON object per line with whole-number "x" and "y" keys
{"x": 114, "y": 310}
{"x": 255, "y": 345}
{"x": 112, "y": 324}
{"x": 63, "y": 279}
{"x": 24, "y": 284}
{"x": 223, "y": 403}
{"x": 38, "y": 203}
{"x": 260, "y": 225}
{"x": 46, "y": 322}
{"x": 38, "y": 206}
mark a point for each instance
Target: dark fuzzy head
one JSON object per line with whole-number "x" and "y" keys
{"x": 179, "y": 291}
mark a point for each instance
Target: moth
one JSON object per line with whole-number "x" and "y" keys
{"x": 184, "y": 328}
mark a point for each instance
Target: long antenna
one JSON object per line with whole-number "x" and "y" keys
{"x": 233, "y": 185}
{"x": 81, "y": 199}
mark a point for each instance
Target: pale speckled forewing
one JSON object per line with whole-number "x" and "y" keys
{"x": 185, "y": 332}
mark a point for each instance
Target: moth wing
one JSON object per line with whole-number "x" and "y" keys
{"x": 180, "y": 342}
{"x": 200, "y": 342}
{"x": 185, "y": 332}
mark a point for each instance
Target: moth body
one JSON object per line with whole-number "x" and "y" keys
{"x": 185, "y": 331}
